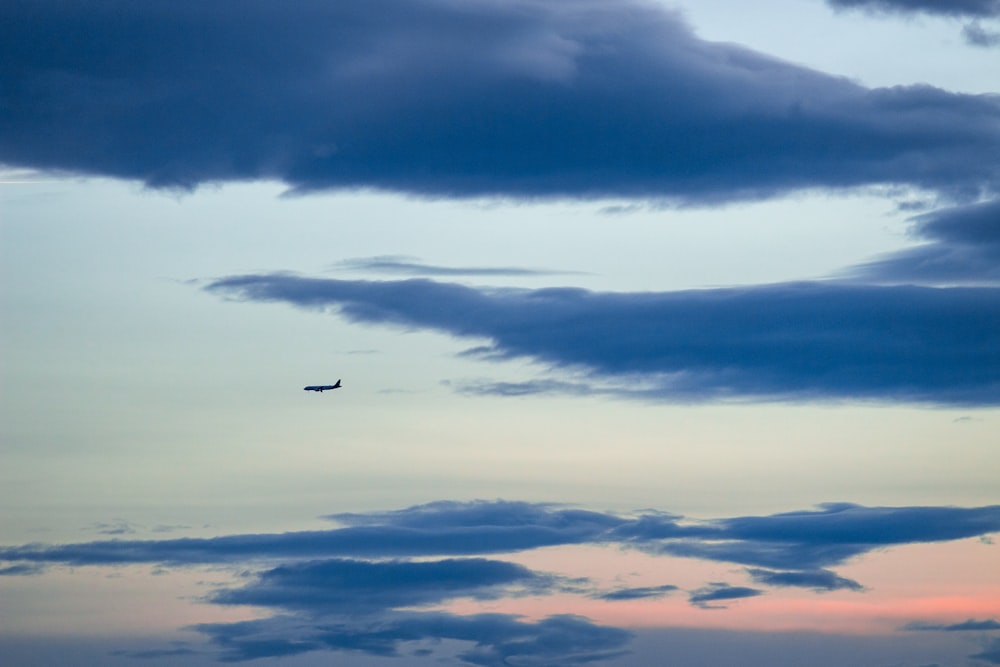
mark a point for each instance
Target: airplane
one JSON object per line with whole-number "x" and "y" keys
{"x": 322, "y": 387}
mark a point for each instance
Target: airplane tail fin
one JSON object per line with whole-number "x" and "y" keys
{"x": 337, "y": 385}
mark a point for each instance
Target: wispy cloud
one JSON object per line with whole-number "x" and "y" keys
{"x": 410, "y": 266}
{"x": 640, "y": 593}
{"x": 720, "y": 592}
{"x": 817, "y": 580}
{"x": 809, "y": 540}
{"x": 21, "y": 569}
{"x": 970, "y": 625}
{"x": 784, "y": 342}
{"x": 973, "y": 32}
{"x": 116, "y": 527}
{"x": 518, "y": 99}
{"x": 961, "y": 8}
{"x": 978, "y": 35}
{"x": 961, "y": 247}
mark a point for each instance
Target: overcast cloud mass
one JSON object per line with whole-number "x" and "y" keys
{"x": 438, "y": 97}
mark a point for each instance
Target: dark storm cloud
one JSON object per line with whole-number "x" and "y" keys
{"x": 961, "y": 247}
{"x": 817, "y": 580}
{"x": 967, "y": 8}
{"x": 529, "y": 98}
{"x": 792, "y": 341}
{"x": 720, "y": 592}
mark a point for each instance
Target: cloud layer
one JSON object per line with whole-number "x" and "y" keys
{"x": 376, "y": 582}
{"x": 796, "y": 542}
{"x": 793, "y": 341}
{"x": 444, "y": 98}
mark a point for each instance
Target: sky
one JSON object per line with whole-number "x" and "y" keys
{"x": 669, "y": 333}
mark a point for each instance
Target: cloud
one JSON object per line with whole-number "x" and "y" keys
{"x": 807, "y": 540}
{"x": 990, "y": 653}
{"x": 795, "y": 542}
{"x": 962, "y": 248}
{"x": 116, "y": 527}
{"x": 781, "y": 342}
{"x": 523, "y": 99}
{"x": 720, "y": 591}
{"x": 355, "y": 587}
{"x": 817, "y": 580}
{"x": 976, "y": 35}
{"x": 371, "y": 583}
{"x": 971, "y": 625}
{"x": 641, "y": 593}
{"x": 498, "y": 639}
{"x": 535, "y": 387}
{"x": 440, "y": 528}
{"x": 21, "y": 569}
{"x": 959, "y": 8}
{"x": 152, "y": 654}
{"x": 397, "y": 264}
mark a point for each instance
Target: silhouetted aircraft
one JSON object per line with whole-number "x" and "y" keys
{"x": 322, "y": 387}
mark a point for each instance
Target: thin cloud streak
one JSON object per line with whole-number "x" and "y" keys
{"x": 970, "y": 625}
{"x": 720, "y": 592}
{"x": 640, "y": 593}
{"x": 817, "y": 580}
{"x": 526, "y": 99}
{"x": 958, "y": 8}
{"x": 973, "y": 32}
{"x": 397, "y": 264}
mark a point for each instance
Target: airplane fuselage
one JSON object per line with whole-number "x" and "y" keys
{"x": 320, "y": 388}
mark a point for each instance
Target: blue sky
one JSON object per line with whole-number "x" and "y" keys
{"x": 664, "y": 329}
